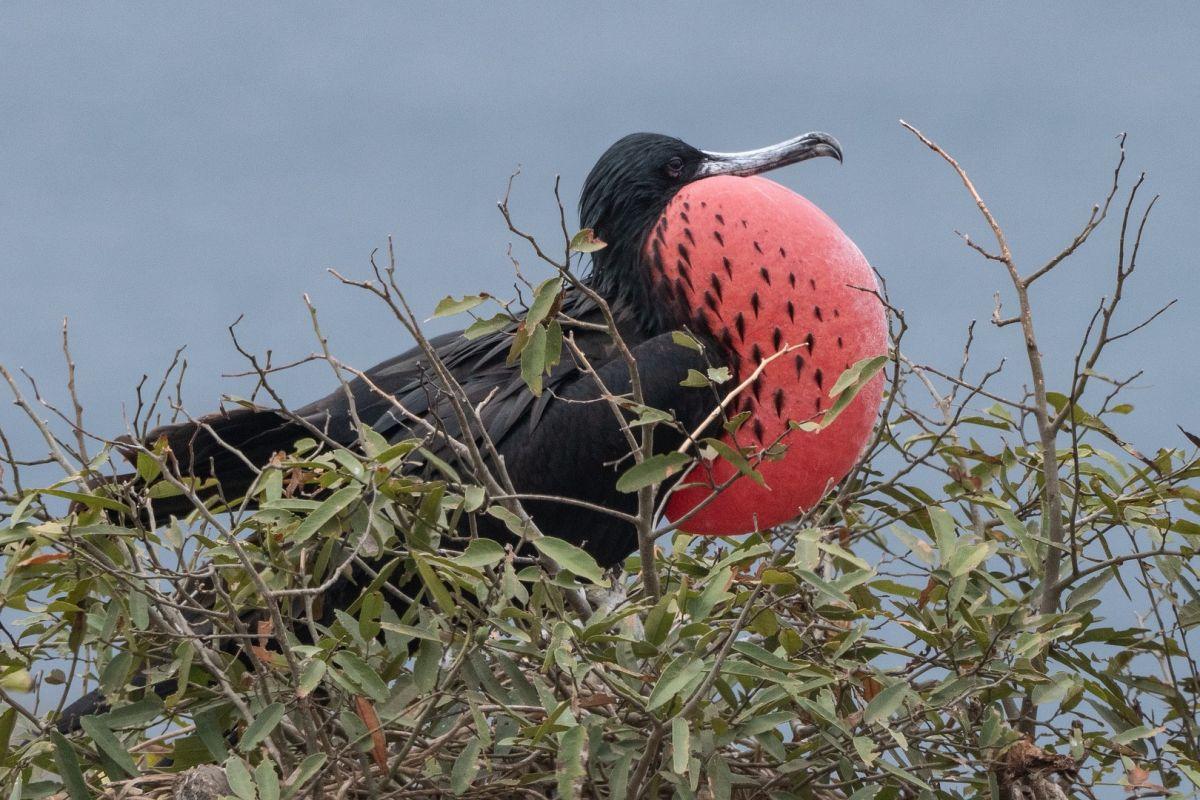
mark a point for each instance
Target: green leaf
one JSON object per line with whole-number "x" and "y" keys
{"x": 1033, "y": 553}
{"x": 426, "y": 666}
{"x": 519, "y": 340}
{"x": 187, "y": 752}
{"x": 209, "y": 731}
{"x": 533, "y": 360}
{"x": 571, "y": 765}
{"x": 304, "y": 773}
{"x": 720, "y": 778}
{"x": 267, "y": 781}
{"x": 310, "y": 677}
{"x": 854, "y": 374}
{"x": 944, "y": 533}
{"x": 618, "y": 776}
{"x": 735, "y": 423}
{"x": 1053, "y": 690}
{"x": 448, "y": 306}
{"x": 19, "y": 680}
{"x": 1088, "y": 589}
{"x": 362, "y": 675}
{"x": 714, "y": 592}
{"x": 867, "y": 792}
{"x": 368, "y": 614}
{"x": 554, "y": 340}
{"x": 571, "y": 558}
{"x": 165, "y": 489}
{"x": 482, "y": 327}
{"x": 737, "y": 459}
{"x": 465, "y": 767}
{"x": 761, "y": 723}
{"x": 184, "y": 653}
{"x": 763, "y": 655}
{"x": 681, "y": 746}
{"x": 823, "y": 586}
{"x": 116, "y": 672}
{"x": 516, "y": 526}
{"x": 586, "y": 241}
{"x": 148, "y": 467}
{"x": 685, "y": 340}
{"x": 445, "y": 603}
{"x": 480, "y": 553}
{"x": 543, "y": 301}
{"x": 850, "y": 383}
{"x": 109, "y": 745}
{"x": 238, "y": 775}
{"x": 473, "y": 498}
{"x": 884, "y": 704}
{"x": 1133, "y": 734}
{"x": 68, "y": 768}
{"x": 674, "y": 679}
{"x": 261, "y": 727}
{"x": 90, "y": 500}
{"x": 647, "y": 415}
{"x": 968, "y": 558}
{"x": 18, "y": 512}
{"x": 777, "y": 577}
{"x": 8, "y": 722}
{"x": 329, "y": 508}
{"x": 719, "y": 375}
{"x": 865, "y": 747}
{"x": 695, "y": 380}
{"x": 903, "y": 774}
{"x": 139, "y": 609}
{"x": 653, "y": 470}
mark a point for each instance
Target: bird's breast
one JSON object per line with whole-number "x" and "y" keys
{"x": 771, "y": 278}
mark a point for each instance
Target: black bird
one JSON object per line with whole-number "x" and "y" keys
{"x": 553, "y": 445}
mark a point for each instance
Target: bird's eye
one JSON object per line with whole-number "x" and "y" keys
{"x": 675, "y": 167}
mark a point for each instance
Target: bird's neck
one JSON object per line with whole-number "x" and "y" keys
{"x": 622, "y": 277}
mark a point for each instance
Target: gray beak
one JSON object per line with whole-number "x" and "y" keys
{"x": 753, "y": 162}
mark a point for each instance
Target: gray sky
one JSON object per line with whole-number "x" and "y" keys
{"x": 165, "y": 168}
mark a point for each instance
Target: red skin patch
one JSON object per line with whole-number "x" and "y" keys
{"x": 763, "y": 268}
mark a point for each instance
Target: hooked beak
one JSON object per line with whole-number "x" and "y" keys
{"x": 753, "y": 162}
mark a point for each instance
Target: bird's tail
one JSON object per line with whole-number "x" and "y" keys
{"x": 227, "y": 447}
{"x": 223, "y": 446}
{"x": 94, "y": 703}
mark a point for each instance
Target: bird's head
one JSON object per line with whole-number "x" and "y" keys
{"x": 635, "y": 179}
{"x": 695, "y": 240}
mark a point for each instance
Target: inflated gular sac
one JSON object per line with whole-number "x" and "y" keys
{"x": 764, "y": 270}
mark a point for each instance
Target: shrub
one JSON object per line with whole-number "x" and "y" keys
{"x": 1000, "y": 601}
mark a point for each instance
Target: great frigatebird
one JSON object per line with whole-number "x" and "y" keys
{"x": 565, "y": 443}
{"x": 553, "y": 445}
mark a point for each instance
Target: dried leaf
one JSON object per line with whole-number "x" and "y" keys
{"x": 44, "y": 558}
{"x": 366, "y": 712}
{"x": 586, "y": 241}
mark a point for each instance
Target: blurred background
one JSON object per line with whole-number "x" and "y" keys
{"x": 165, "y": 169}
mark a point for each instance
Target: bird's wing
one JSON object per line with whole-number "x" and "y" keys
{"x": 393, "y": 394}
{"x": 406, "y": 387}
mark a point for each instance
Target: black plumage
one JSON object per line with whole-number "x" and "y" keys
{"x": 565, "y": 443}
{"x": 553, "y": 444}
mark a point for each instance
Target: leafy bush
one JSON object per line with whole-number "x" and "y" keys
{"x": 1001, "y": 601}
